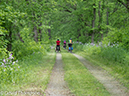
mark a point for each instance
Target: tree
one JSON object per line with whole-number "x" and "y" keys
{"x": 126, "y": 4}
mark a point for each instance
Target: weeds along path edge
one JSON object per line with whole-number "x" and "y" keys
{"x": 37, "y": 72}
{"x": 112, "y": 86}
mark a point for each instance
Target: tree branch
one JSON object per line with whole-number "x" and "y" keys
{"x": 68, "y": 10}
{"x": 126, "y": 5}
{"x": 122, "y": 3}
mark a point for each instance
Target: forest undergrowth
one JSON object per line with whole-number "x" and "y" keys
{"x": 33, "y": 71}
{"x": 112, "y": 58}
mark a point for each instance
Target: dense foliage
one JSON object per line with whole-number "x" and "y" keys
{"x": 37, "y": 21}
{"x": 31, "y": 26}
{"x": 23, "y": 32}
{"x": 91, "y": 21}
{"x": 22, "y": 27}
{"x": 10, "y": 70}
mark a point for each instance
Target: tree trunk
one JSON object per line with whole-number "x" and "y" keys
{"x": 102, "y": 37}
{"x": 49, "y": 32}
{"x": 99, "y": 16}
{"x": 9, "y": 36}
{"x": 102, "y": 19}
{"x": 107, "y": 19}
{"x": 99, "y": 23}
{"x": 35, "y": 34}
{"x": 40, "y": 32}
{"x": 9, "y": 46}
{"x": 93, "y": 23}
{"x": 100, "y": 13}
{"x": 20, "y": 37}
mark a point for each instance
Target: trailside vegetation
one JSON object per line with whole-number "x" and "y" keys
{"x": 112, "y": 58}
{"x": 30, "y": 27}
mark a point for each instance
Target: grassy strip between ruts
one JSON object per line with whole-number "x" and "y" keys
{"x": 37, "y": 72}
{"x": 79, "y": 79}
{"x": 117, "y": 70}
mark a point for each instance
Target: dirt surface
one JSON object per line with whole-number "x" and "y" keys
{"x": 111, "y": 85}
{"x": 57, "y": 86}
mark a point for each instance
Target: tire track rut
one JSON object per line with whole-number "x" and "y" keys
{"x": 112, "y": 86}
{"x": 57, "y": 86}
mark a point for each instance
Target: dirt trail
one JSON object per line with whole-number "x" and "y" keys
{"x": 57, "y": 86}
{"x": 113, "y": 86}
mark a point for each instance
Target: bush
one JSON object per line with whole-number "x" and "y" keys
{"x": 21, "y": 49}
{"x": 3, "y": 53}
{"x": 10, "y": 71}
{"x": 118, "y": 35}
{"x": 126, "y": 59}
{"x": 47, "y": 47}
{"x": 116, "y": 54}
{"x": 78, "y": 47}
{"x": 113, "y": 53}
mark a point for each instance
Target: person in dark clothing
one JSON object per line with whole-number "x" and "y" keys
{"x": 64, "y": 44}
{"x": 58, "y": 44}
{"x": 70, "y": 43}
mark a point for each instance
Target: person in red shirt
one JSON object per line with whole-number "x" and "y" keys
{"x": 58, "y": 44}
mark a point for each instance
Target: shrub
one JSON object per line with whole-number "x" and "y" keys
{"x": 116, "y": 54}
{"x": 21, "y": 49}
{"x": 118, "y": 35}
{"x": 113, "y": 52}
{"x": 10, "y": 71}
{"x": 3, "y": 53}
{"x": 92, "y": 49}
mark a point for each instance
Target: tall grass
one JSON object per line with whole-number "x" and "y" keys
{"x": 10, "y": 71}
{"x": 113, "y": 58}
{"x": 35, "y": 70}
{"x": 79, "y": 79}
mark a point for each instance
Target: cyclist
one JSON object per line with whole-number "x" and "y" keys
{"x": 58, "y": 44}
{"x": 70, "y": 43}
{"x": 64, "y": 44}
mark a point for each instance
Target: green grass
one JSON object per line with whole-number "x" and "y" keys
{"x": 37, "y": 69}
{"x": 79, "y": 79}
{"x": 117, "y": 70}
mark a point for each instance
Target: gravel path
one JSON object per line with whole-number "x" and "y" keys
{"x": 113, "y": 86}
{"x": 57, "y": 86}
